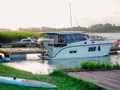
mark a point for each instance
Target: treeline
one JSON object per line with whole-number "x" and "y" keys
{"x": 36, "y": 29}
{"x": 49, "y": 29}
{"x": 98, "y": 28}
{"x": 4, "y": 29}
{"x": 104, "y": 28}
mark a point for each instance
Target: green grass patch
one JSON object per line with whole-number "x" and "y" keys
{"x": 58, "y": 77}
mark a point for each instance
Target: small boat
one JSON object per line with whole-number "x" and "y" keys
{"x": 74, "y": 44}
{"x": 43, "y": 42}
{"x": 25, "y": 82}
{"x": 117, "y": 43}
{"x": 3, "y": 59}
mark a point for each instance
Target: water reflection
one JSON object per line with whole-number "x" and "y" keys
{"x": 71, "y": 63}
{"x": 33, "y": 66}
{"x": 115, "y": 59}
{"x": 47, "y": 66}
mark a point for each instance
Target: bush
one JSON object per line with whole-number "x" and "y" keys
{"x": 100, "y": 66}
{"x": 117, "y": 66}
{"x": 88, "y": 65}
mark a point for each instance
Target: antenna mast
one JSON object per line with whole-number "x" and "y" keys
{"x": 70, "y": 15}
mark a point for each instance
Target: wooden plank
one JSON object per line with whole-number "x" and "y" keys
{"x": 109, "y": 79}
{"x": 108, "y": 74}
{"x": 115, "y": 48}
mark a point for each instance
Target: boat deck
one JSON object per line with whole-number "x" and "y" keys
{"x": 109, "y": 79}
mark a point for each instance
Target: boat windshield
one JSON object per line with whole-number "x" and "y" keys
{"x": 49, "y": 36}
{"x": 71, "y": 38}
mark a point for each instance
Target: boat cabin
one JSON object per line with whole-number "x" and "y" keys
{"x": 63, "y": 38}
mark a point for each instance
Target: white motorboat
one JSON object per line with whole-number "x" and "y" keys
{"x": 74, "y": 44}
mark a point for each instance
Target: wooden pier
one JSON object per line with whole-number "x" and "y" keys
{"x": 115, "y": 49}
{"x": 13, "y": 45}
{"x": 20, "y": 53}
{"x": 25, "y": 51}
{"x": 109, "y": 79}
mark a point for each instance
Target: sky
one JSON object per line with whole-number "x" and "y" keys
{"x": 16, "y": 14}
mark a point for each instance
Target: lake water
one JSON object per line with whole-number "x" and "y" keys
{"x": 37, "y": 66}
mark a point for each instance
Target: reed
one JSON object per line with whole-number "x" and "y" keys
{"x": 7, "y": 37}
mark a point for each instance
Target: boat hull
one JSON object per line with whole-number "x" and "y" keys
{"x": 4, "y": 59}
{"x": 79, "y": 51}
{"x": 25, "y": 82}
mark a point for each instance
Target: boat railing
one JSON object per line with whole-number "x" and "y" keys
{"x": 96, "y": 38}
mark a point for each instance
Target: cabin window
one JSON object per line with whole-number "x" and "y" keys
{"x": 0, "y": 56}
{"x": 60, "y": 40}
{"x": 56, "y": 39}
{"x": 6, "y": 55}
{"x": 85, "y": 42}
{"x": 73, "y": 51}
{"x": 98, "y": 48}
{"x": 92, "y": 49}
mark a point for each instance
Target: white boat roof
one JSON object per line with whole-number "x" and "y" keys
{"x": 63, "y": 32}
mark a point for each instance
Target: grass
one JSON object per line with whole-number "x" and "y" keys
{"x": 58, "y": 77}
